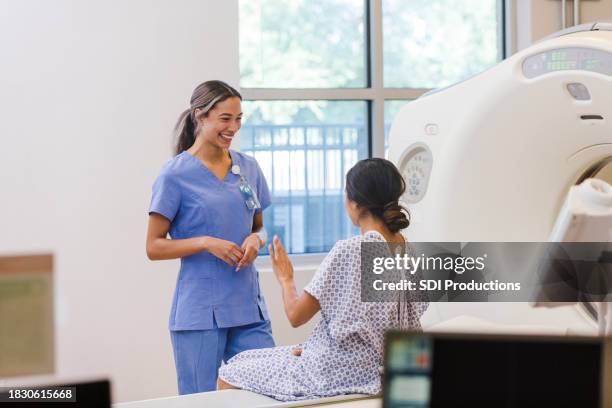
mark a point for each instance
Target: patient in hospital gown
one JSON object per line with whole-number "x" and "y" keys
{"x": 344, "y": 352}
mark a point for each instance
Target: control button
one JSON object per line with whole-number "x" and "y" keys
{"x": 431, "y": 129}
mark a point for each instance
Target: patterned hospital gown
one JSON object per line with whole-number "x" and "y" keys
{"x": 345, "y": 350}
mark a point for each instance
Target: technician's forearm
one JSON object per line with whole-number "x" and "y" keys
{"x": 164, "y": 248}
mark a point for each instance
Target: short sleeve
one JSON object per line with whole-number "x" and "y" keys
{"x": 321, "y": 285}
{"x": 263, "y": 192}
{"x": 166, "y": 198}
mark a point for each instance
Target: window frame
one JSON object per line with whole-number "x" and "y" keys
{"x": 374, "y": 94}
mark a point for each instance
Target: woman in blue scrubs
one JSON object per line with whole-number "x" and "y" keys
{"x": 209, "y": 200}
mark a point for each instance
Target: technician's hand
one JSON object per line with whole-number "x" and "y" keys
{"x": 227, "y": 251}
{"x": 250, "y": 247}
{"x": 283, "y": 269}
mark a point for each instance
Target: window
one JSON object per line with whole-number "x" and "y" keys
{"x": 302, "y": 44}
{"x": 322, "y": 81}
{"x": 304, "y": 158}
{"x": 392, "y": 107}
{"x": 433, "y": 43}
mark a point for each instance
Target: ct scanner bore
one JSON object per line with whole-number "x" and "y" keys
{"x": 603, "y": 171}
{"x": 493, "y": 157}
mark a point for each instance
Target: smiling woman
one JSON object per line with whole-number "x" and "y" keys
{"x": 209, "y": 200}
{"x": 205, "y": 98}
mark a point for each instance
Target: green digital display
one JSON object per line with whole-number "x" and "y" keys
{"x": 565, "y": 59}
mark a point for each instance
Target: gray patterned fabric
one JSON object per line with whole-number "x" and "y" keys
{"x": 344, "y": 352}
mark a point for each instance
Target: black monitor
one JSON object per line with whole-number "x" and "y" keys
{"x": 455, "y": 370}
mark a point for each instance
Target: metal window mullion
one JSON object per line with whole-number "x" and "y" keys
{"x": 508, "y": 28}
{"x": 504, "y": 44}
{"x": 274, "y": 186}
{"x": 361, "y": 94}
{"x": 290, "y": 94}
{"x": 399, "y": 93}
{"x": 377, "y": 111}
{"x": 325, "y": 175}
{"x": 307, "y": 232}
{"x": 289, "y": 189}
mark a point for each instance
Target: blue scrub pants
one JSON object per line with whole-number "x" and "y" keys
{"x": 198, "y": 353}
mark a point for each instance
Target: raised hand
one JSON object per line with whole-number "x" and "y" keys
{"x": 283, "y": 269}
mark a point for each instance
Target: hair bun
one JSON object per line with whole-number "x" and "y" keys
{"x": 395, "y": 216}
{"x": 376, "y": 185}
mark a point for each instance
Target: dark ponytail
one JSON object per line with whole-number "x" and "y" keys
{"x": 204, "y": 98}
{"x": 376, "y": 185}
{"x": 185, "y": 132}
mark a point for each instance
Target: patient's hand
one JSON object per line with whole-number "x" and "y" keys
{"x": 299, "y": 309}
{"x": 283, "y": 269}
{"x": 296, "y": 351}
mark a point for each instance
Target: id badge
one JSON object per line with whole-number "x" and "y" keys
{"x": 250, "y": 199}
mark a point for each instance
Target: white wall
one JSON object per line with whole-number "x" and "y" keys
{"x": 536, "y": 19}
{"x": 89, "y": 93}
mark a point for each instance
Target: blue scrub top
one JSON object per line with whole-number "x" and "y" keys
{"x": 197, "y": 203}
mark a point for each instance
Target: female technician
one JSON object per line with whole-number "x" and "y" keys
{"x": 210, "y": 199}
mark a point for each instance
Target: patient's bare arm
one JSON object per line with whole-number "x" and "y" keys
{"x": 299, "y": 309}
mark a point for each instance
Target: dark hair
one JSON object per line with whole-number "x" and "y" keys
{"x": 204, "y": 97}
{"x": 377, "y": 185}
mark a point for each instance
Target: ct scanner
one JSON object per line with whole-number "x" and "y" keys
{"x": 492, "y": 158}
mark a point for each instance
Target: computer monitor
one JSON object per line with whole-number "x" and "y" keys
{"x": 459, "y": 370}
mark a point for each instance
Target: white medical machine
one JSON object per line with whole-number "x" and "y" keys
{"x": 492, "y": 158}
